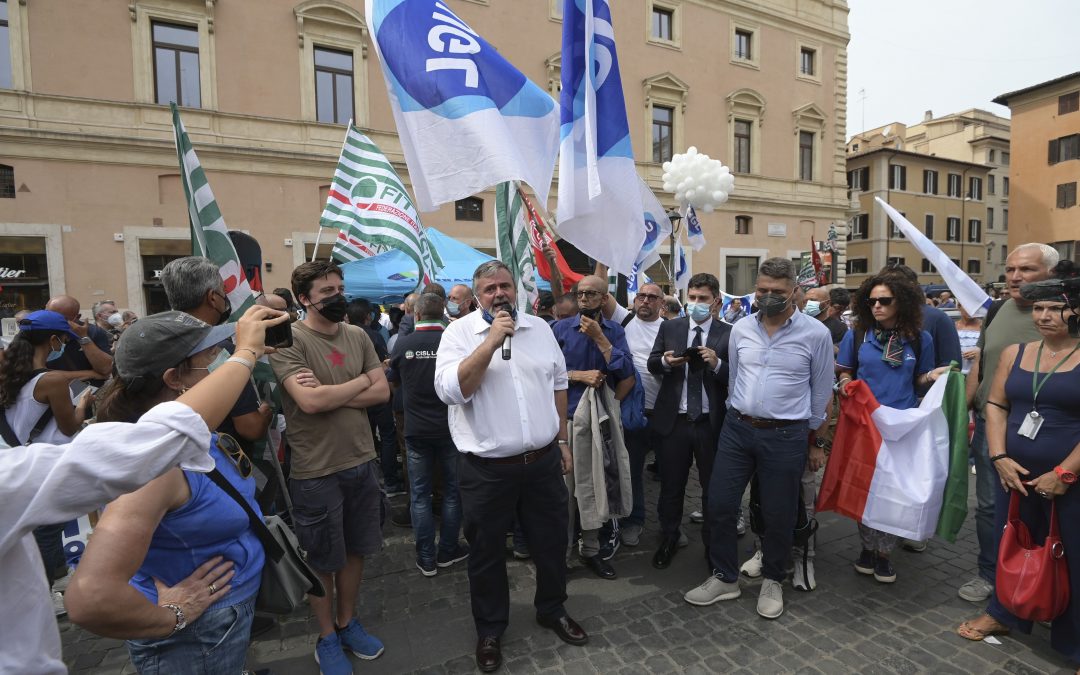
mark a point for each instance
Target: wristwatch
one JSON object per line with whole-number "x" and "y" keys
{"x": 181, "y": 622}
{"x": 84, "y": 340}
{"x": 1064, "y": 475}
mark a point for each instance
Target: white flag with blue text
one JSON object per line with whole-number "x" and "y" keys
{"x": 969, "y": 294}
{"x": 682, "y": 269}
{"x": 598, "y": 181}
{"x": 636, "y": 280}
{"x": 657, "y": 228}
{"x": 467, "y": 118}
{"x": 694, "y": 235}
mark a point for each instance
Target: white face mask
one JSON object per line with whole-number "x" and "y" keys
{"x": 115, "y": 320}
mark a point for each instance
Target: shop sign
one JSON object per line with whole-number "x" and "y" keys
{"x": 9, "y": 273}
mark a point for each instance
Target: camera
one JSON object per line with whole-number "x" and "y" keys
{"x": 1057, "y": 289}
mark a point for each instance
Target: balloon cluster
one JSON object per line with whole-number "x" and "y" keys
{"x": 697, "y": 180}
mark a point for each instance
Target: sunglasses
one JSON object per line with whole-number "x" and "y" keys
{"x": 884, "y": 302}
{"x": 232, "y": 448}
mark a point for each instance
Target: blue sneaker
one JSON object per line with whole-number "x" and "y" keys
{"x": 356, "y": 640}
{"x": 330, "y": 657}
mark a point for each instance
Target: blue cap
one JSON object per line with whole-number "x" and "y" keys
{"x": 44, "y": 319}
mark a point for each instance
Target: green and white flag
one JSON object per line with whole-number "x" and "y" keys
{"x": 512, "y": 243}
{"x": 209, "y": 236}
{"x": 370, "y": 208}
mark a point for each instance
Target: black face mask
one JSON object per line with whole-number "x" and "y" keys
{"x": 333, "y": 308}
{"x": 227, "y": 312}
{"x": 593, "y": 313}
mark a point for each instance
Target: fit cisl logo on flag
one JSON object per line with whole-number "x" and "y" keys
{"x": 369, "y": 194}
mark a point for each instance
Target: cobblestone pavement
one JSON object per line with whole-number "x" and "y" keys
{"x": 639, "y": 622}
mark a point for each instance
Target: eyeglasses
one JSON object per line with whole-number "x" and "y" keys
{"x": 589, "y": 295}
{"x": 649, "y": 297}
{"x": 230, "y": 447}
{"x": 884, "y": 302}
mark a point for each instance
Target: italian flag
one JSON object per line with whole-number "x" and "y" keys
{"x": 901, "y": 471}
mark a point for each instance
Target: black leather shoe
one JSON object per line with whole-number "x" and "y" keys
{"x": 488, "y": 654}
{"x": 599, "y": 567}
{"x": 566, "y": 628}
{"x": 665, "y": 553}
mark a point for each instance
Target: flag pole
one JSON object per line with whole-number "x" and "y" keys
{"x": 318, "y": 233}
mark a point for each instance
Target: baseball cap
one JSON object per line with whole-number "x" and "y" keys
{"x": 161, "y": 341}
{"x": 44, "y": 319}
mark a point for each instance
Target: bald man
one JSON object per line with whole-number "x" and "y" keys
{"x": 459, "y": 302}
{"x": 92, "y": 352}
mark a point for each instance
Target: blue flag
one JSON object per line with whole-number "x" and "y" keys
{"x": 598, "y": 182}
{"x": 694, "y": 235}
{"x": 467, "y": 118}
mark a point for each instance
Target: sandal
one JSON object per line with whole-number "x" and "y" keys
{"x": 970, "y": 632}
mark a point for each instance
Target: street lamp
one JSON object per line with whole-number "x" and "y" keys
{"x": 675, "y": 217}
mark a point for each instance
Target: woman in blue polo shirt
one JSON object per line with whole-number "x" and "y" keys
{"x": 895, "y": 359}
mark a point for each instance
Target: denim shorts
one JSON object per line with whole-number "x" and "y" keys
{"x": 214, "y": 644}
{"x": 337, "y": 515}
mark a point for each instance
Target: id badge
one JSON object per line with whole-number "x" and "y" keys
{"x": 1031, "y": 425}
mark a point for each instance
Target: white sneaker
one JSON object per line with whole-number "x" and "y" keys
{"x": 58, "y": 604}
{"x": 770, "y": 602}
{"x": 752, "y": 567}
{"x": 713, "y": 590}
{"x": 976, "y": 590}
{"x": 697, "y": 517}
{"x": 804, "y": 580}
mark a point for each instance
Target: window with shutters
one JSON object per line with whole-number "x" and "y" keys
{"x": 956, "y": 184}
{"x": 928, "y": 267}
{"x": 1066, "y": 195}
{"x": 1063, "y": 149}
{"x": 974, "y": 231}
{"x": 928, "y": 227}
{"x": 929, "y": 182}
{"x": 1068, "y": 103}
{"x": 859, "y": 179}
{"x": 860, "y": 226}
{"x": 856, "y": 266}
{"x": 974, "y": 266}
{"x": 975, "y": 188}
{"x": 743, "y": 224}
{"x": 897, "y": 177}
{"x": 952, "y": 229}
{"x": 896, "y": 261}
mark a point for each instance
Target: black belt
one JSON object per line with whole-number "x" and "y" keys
{"x": 763, "y": 423}
{"x": 527, "y": 457}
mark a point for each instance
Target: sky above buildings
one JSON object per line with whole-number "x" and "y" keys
{"x": 908, "y": 57}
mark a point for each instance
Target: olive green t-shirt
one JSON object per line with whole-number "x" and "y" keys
{"x": 1011, "y": 325}
{"x": 328, "y": 442}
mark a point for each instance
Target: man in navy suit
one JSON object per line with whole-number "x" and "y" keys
{"x": 690, "y": 354}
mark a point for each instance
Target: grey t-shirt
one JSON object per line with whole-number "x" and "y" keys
{"x": 1011, "y": 325}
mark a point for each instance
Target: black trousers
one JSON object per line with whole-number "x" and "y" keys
{"x": 688, "y": 442}
{"x": 491, "y": 496}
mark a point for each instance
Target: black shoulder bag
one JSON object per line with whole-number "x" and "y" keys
{"x": 286, "y": 575}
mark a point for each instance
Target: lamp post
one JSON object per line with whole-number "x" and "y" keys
{"x": 675, "y": 217}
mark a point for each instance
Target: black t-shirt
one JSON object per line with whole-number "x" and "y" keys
{"x": 413, "y": 366}
{"x": 837, "y": 327}
{"x": 73, "y": 357}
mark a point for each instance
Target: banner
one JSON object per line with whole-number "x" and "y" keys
{"x": 694, "y": 235}
{"x": 209, "y": 235}
{"x": 598, "y": 180}
{"x": 512, "y": 243}
{"x": 369, "y": 205}
{"x": 682, "y": 269}
{"x": 657, "y": 228}
{"x": 466, "y": 117}
{"x": 735, "y": 307}
{"x": 969, "y": 294}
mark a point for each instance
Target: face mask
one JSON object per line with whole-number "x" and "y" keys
{"x": 115, "y": 320}
{"x": 222, "y": 357}
{"x": 593, "y": 313}
{"x": 489, "y": 317}
{"x": 333, "y": 308}
{"x": 453, "y": 308}
{"x": 227, "y": 312}
{"x": 813, "y": 307}
{"x": 53, "y": 355}
{"x": 773, "y": 305}
{"x": 698, "y": 311}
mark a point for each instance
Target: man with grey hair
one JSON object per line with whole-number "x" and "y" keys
{"x": 103, "y": 311}
{"x": 1007, "y": 323}
{"x": 781, "y": 375}
{"x": 507, "y": 416}
{"x": 194, "y": 286}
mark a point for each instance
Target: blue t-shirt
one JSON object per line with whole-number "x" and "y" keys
{"x": 892, "y": 386}
{"x": 211, "y": 523}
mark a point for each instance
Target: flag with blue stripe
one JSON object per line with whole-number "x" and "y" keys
{"x": 598, "y": 181}
{"x": 467, "y": 118}
{"x": 682, "y": 269}
{"x": 657, "y": 228}
{"x": 694, "y": 235}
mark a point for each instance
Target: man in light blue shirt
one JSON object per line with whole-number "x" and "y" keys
{"x": 781, "y": 365}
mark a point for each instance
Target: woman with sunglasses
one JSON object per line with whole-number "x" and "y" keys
{"x": 180, "y": 542}
{"x": 1039, "y": 460}
{"x": 896, "y": 360}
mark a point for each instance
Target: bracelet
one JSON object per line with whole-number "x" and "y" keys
{"x": 181, "y": 622}
{"x": 997, "y": 457}
{"x": 562, "y": 441}
{"x": 245, "y": 349}
{"x": 239, "y": 359}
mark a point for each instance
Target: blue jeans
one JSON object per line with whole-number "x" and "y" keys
{"x": 423, "y": 454}
{"x": 986, "y": 488}
{"x": 778, "y": 456}
{"x": 638, "y": 444}
{"x": 214, "y": 644}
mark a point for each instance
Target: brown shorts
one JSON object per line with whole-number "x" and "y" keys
{"x": 337, "y": 515}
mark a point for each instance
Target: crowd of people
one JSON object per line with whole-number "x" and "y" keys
{"x": 496, "y": 422}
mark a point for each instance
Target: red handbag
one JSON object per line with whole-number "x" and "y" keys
{"x": 1032, "y": 581}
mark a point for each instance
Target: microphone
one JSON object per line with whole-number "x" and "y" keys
{"x": 506, "y": 307}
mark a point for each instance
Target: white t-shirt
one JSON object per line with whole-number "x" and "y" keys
{"x": 640, "y": 336}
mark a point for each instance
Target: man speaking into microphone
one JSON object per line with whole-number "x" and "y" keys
{"x": 507, "y": 415}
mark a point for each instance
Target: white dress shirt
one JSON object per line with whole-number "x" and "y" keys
{"x": 690, "y": 335}
{"x": 46, "y": 483}
{"x": 513, "y": 409}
